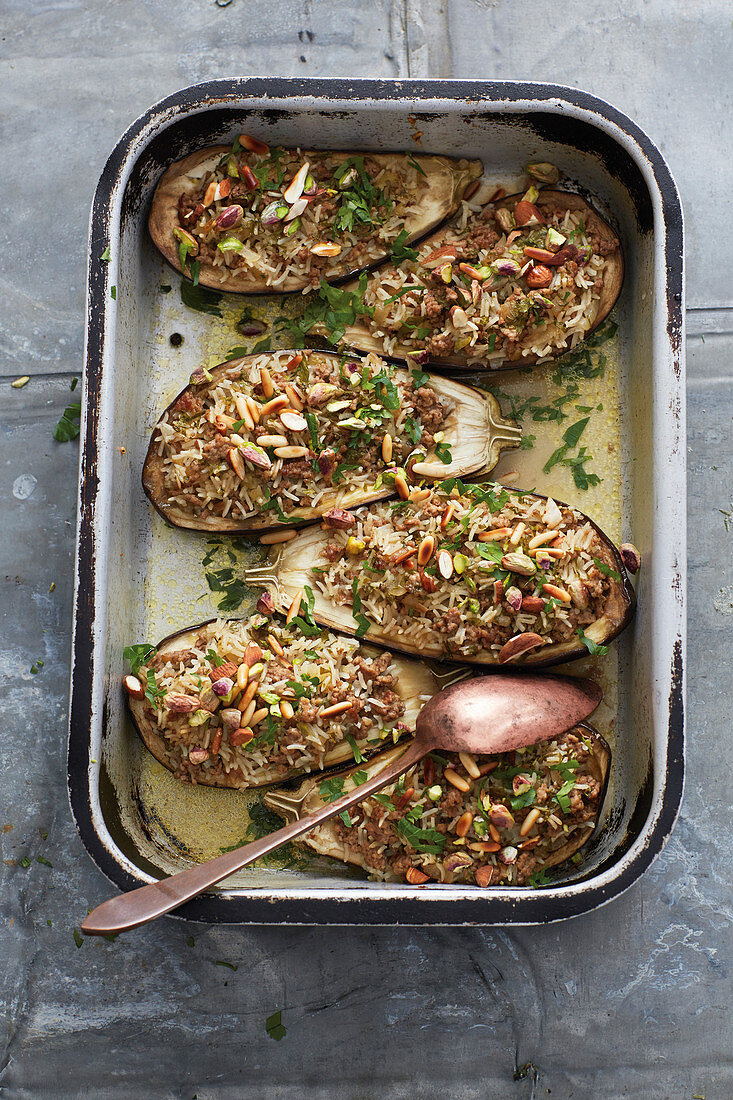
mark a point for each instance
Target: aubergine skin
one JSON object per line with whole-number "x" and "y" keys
{"x": 292, "y": 804}
{"x": 359, "y": 336}
{"x": 287, "y": 563}
{"x": 474, "y": 430}
{"x": 448, "y": 178}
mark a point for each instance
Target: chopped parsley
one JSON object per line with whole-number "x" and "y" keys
{"x": 422, "y": 840}
{"x": 331, "y": 789}
{"x": 358, "y": 757}
{"x": 593, "y": 648}
{"x": 606, "y": 570}
{"x": 69, "y": 425}
{"x": 275, "y": 1027}
{"x": 304, "y": 622}
{"x": 200, "y": 298}
{"x": 138, "y": 655}
{"x": 401, "y": 251}
{"x": 359, "y": 617}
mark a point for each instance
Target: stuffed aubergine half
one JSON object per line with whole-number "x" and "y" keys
{"x": 242, "y": 703}
{"x": 475, "y": 573}
{"x": 287, "y": 437}
{"x": 500, "y": 820}
{"x": 253, "y": 219}
{"x": 506, "y": 285}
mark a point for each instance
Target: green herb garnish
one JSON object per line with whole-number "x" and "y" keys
{"x": 200, "y": 298}
{"x": 69, "y": 425}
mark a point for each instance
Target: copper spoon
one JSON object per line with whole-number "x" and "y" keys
{"x": 486, "y": 714}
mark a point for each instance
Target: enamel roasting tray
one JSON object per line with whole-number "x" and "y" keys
{"x": 132, "y": 575}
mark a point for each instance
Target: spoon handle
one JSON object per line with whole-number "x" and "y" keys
{"x": 148, "y": 902}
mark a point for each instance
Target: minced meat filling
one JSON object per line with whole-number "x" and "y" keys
{"x": 279, "y": 206}
{"x": 475, "y": 568}
{"x": 484, "y": 820}
{"x": 273, "y": 435}
{"x": 244, "y": 697}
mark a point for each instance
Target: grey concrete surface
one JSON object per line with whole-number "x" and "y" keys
{"x": 631, "y": 1001}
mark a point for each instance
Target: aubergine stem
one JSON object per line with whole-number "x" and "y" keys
{"x": 486, "y": 714}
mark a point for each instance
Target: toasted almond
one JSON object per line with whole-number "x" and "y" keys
{"x": 425, "y": 550}
{"x": 209, "y": 194}
{"x": 557, "y": 592}
{"x": 469, "y": 764}
{"x": 272, "y": 538}
{"x": 387, "y": 447}
{"x": 266, "y": 382}
{"x": 532, "y": 604}
{"x": 403, "y": 555}
{"x": 291, "y": 452}
{"x": 542, "y": 539}
{"x": 295, "y": 400}
{"x": 520, "y": 643}
{"x": 334, "y": 709}
{"x": 464, "y": 823}
{"x": 222, "y": 189}
{"x": 325, "y": 248}
{"x": 415, "y": 877}
{"x": 223, "y": 423}
{"x": 459, "y": 317}
{"x": 529, "y": 821}
{"x": 241, "y": 736}
{"x": 293, "y": 421}
{"x": 496, "y": 535}
{"x": 517, "y": 533}
{"x": 456, "y": 780}
{"x": 294, "y": 190}
{"x": 274, "y": 405}
{"x": 294, "y": 606}
{"x": 234, "y": 457}
{"x": 228, "y": 669}
{"x": 404, "y": 798}
{"x": 133, "y": 687}
{"x": 272, "y": 441}
{"x": 401, "y": 486}
{"x": 445, "y": 564}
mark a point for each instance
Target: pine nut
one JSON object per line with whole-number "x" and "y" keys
{"x": 259, "y": 715}
{"x": 387, "y": 447}
{"x": 249, "y": 694}
{"x": 286, "y": 709}
{"x": 425, "y": 550}
{"x": 274, "y": 537}
{"x": 488, "y": 767}
{"x": 548, "y": 552}
{"x": 403, "y": 555}
{"x": 294, "y": 606}
{"x": 485, "y": 846}
{"x": 517, "y": 533}
{"x": 401, "y": 486}
{"x": 325, "y": 248}
{"x": 242, "y": 408}
{"x": 274, "y": 405}
{"x": 266, "y": 382}
{"x": 533, "y": 840}
{"x": 494, "y": 833}
{"x": 272, "y": 441}
{"x": 469, "y": 764}
{"x": 242, "y": 676}
{"x": 275, "y": 645}
{"x": 253, "y": 407}
{"x": 336, "y": 708}
{"x": 529, "y": 821}
{"x": 216, "y": 741}
{"x": 417, "y": 496}
{"x": 294, "y": 399}
{"x": 234, "y": 455}
{"x": 542, "y": 539}
{"x": 464, "y": 823}
{"x": 456, "y": 780}
{"x": 447, "y": 515}
{"x": 559, "y": 593}
{"x": 291, "y": 452}
{"x": 496, "y": 535}
{"x": 247, "y": 714}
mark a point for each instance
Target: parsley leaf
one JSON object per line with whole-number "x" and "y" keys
{"x": 400, "y": 250}
{"x": 358, "y": 757}
{"x": 593, "y": 648}
{"x": 423, "y": 840}
{"x": 331, "y": 789}
{"x": 275, "y": 1027}
{"x": 138, "y": 655}
{"x": 606, "y": 570}
{"x": 360, "y": 618}
{"x": 200, "y": 298}
{"x": 69, "y": 425}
